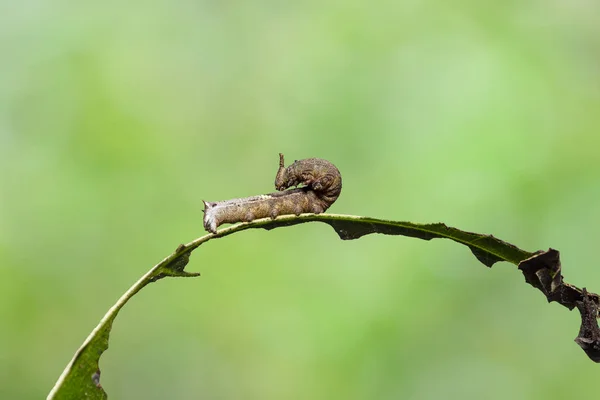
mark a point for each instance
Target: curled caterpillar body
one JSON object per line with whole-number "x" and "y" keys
{"x": 322, "y": 184}
{"x": 315, "y": 173}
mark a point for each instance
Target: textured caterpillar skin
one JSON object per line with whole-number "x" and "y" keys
{"x": 322, "y": 184}
{"x": 315, "y": 173}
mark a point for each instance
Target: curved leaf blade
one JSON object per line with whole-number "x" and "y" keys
{"x": 486, "y": 248}
{"x": 81, "y": 377}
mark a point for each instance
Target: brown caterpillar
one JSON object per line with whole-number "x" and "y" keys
{"x": 321, "y": 185}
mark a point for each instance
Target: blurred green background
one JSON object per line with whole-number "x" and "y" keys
{"x": 117, "y": 119}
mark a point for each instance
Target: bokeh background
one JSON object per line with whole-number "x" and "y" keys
{"x": 117, "y": 119}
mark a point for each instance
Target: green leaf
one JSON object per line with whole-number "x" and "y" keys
{"x": 81, "y": 377}
{"x": 486, "y": 248}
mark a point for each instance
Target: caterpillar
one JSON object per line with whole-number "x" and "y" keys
{"x": 318, "y": 184}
